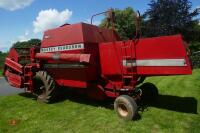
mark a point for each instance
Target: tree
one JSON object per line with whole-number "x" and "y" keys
{"x": 124, "y": 23}
{"x": 195, "y": 38}
{"x": 167, "y": 17}
{"x": 27, "y": 44}
{"x": 2, "y": 59}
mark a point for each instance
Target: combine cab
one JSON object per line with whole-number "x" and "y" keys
{"x": 86, "y": 57}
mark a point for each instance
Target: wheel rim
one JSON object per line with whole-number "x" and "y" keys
{"x": 122, "y": 109}
{"x": 43, "y": 91}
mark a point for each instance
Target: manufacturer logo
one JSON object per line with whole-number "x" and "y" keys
{"x": 63, "y": 48}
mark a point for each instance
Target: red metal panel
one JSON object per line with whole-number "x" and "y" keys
{"x": 80, "y": 58}
{"x": 13, "y": 79}
{"x": 73, "y": 77}
{"x": 13, "y": 55}
{"x": 163, "y": 71}
{"x": 110, "y": 58}
{"x": 167, "y": 47}
{"x": 76, "y": 69}
{"x": 71, "y": 83}
{"x": 14, "y": 65}
{"x": 76, "y": 33}
{"x": 68, "y": 34}
{"x": 94, "y": 34}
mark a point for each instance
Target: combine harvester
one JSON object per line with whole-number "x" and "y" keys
{"x": 85, "y": 57}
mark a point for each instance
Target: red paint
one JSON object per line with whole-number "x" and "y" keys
{"x": 14, "y": 79}
{"x": 79, "y": 58}
{"x": 168, "y": 47}
{"x": 76, "y": 33}
{"x": 13, "y": 65}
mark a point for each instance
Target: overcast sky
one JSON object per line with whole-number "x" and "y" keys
{"x": 21, "y": 20}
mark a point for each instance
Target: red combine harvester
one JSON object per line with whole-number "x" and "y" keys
{"x": 89, "y": 58}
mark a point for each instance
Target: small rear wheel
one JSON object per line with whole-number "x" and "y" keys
{"x": 44, "y": 87}
{"x": 149, "y": 92}
{"x": 126, "y": 107}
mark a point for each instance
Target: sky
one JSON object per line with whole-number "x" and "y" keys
{"x": 21, "y": 20}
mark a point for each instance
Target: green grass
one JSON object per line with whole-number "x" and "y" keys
{"x": 1, "y": 73}
{"x": 176, "y": 111}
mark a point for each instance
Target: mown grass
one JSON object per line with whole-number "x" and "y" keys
{"x": 1, "y": 73}
{"x": 176, "y": 111}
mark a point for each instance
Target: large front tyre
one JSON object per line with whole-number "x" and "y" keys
{"x": 44, "y": 87}
{"x": 126, "y": 107}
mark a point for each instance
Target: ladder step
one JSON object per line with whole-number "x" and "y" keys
{"x": 126, "y": 47}
{"x": 27, "y": 75}
{"x": 24, "y": 56}
{"x": 127, "y": 57}
{"x": 127, "y": 87}
{"x": 131, "y": 73}
{"x": 126, "y": 76}
{"x": 28, "y": 67}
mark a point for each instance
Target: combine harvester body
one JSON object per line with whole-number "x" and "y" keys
{"x": 86, "y": 57}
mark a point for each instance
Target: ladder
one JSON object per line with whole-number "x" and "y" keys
{"x": 129, "y": 58}
{"x": 28, "y": 75}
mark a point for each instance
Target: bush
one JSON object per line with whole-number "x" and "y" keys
{"x": 194, "y": 46}
{"x": 195, "y": 59}
{"x": 2, "y": 59}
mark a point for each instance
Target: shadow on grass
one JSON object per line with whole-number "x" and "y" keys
{"x": 75, "y": 96}
{"x": 80, "y": 97}
{"x": 174, "y": 103}
{"x": 28, "y": 95}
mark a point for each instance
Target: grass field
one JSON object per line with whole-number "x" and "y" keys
{"x": 176, "y": 111}
{"x": 1, "y": 73}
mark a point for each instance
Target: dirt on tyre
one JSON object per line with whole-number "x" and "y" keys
{"x": 44, "y": 87}
{"x": 126, "y": 107}
{"x": 149, "y": 92}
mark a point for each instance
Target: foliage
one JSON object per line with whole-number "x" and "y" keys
{"x": 167, "y": 17}
{"x": 2, "y": 58}
{"x": 195, "y": 59}
{"x": 124, "y": 23}
{"x": 194, "y": 35}
{"x": 175, "y": 111}
{"x": 24, "y": 52}
{"x": 194, "y": 46}
{"x": 27, "y": 44}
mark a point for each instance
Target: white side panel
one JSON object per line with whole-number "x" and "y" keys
{"x": 155, "y": 62}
